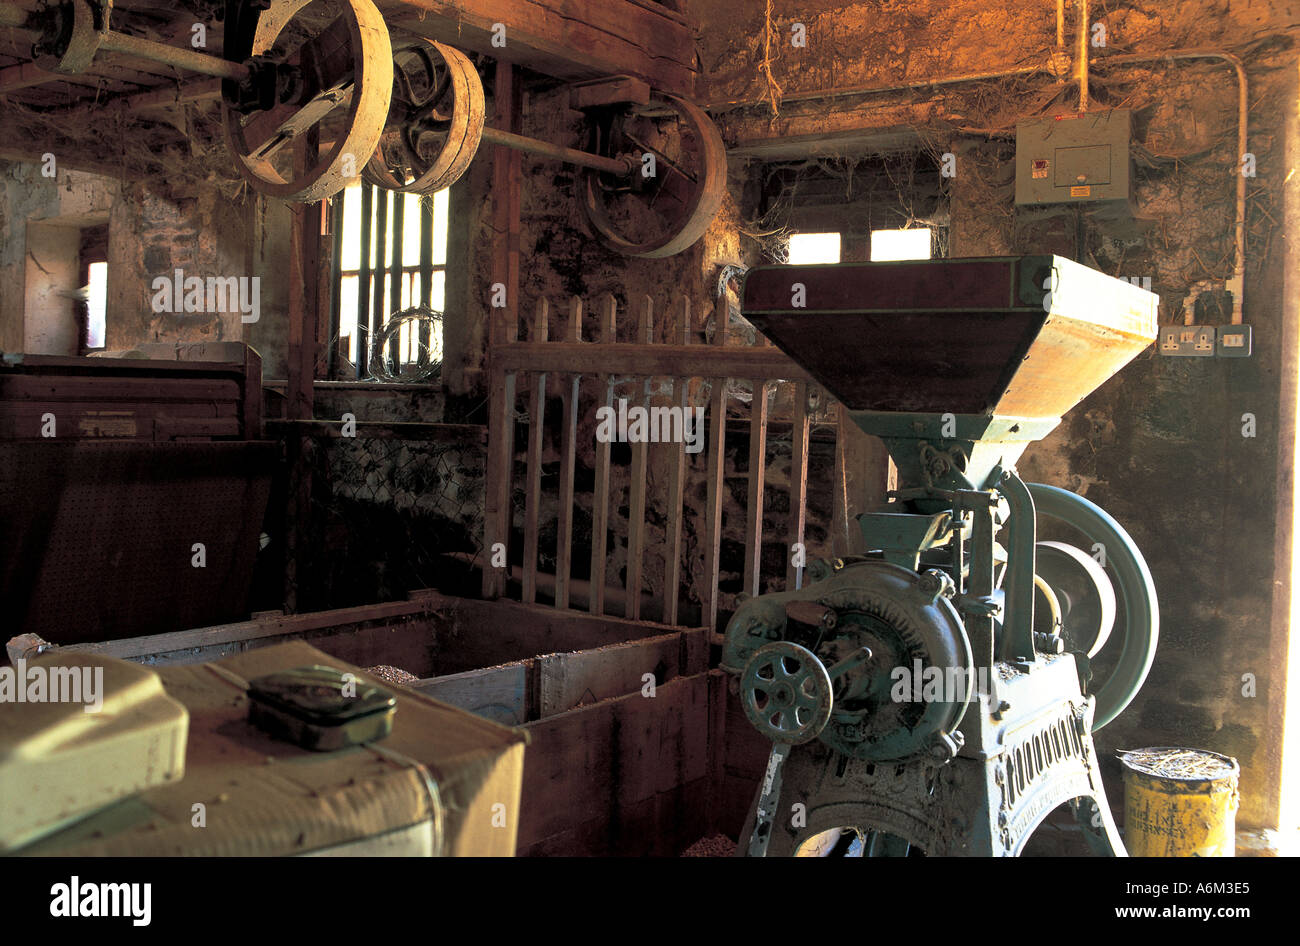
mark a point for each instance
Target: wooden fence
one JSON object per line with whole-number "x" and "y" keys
{"x": 860, "y": 467}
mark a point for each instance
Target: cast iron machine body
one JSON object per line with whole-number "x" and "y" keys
{"x": 940, "y": 691}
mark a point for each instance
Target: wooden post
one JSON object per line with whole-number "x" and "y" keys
{"x": 363, "y": 278}
{"x": 533, "y": 489}
{"x": 798, "y": 489}
{"x": 500, "y": 474}
{"x": 379, "y": 298}
{"x": 637, "y": 485}
{"x": 676, "y": 482}
{"x": 568, "y": 438}
{"x": 717, "y": 470}
{"x": 506, "y": 172}
{"x": 754, "y": 512}
{"x": 600, "y": 494}
{"x": 304, "y": 310}
{"x": 841, "y": 535}
{"x": 503, "y": 327}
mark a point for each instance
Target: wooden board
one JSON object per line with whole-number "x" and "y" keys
{"x": 497, "y": 693}
{"x": 637, "y": 482}
{"x": 676, "y": 457}
{"x": 570, "y": 680}
{"x": 568, "y": 446}
{"x": 683, "y": 361}
{"x": 427, "y": 630}
{"x": 752, "y": 578}
{"x": 533, "y": 487}
{"x": 717, "y": 465}
{"x": 572, "y": 39}
{"x": 503, "y": 328}
{"x": 611, "y": 761}
{"x": 798, "y": 490}
{"x": 600, "y": 492}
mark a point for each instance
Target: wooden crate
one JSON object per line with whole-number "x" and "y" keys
{"x": 610, "y": 769}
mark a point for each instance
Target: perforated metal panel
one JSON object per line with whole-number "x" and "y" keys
{"x": 99, "y": 536}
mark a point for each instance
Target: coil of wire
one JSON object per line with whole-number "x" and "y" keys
{"x": 393, "y": 369}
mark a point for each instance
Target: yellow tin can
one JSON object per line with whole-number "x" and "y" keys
{"x": 1180, "y": 802}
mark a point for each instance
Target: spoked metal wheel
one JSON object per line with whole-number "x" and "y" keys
{"x": 435, "y": 122}
{"x": 345, "y": 82}
{"x": 668, "y": 203}
{"x": 786, "y": 692}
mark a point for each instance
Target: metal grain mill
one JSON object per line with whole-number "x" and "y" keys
{"x": 938, "y": 694}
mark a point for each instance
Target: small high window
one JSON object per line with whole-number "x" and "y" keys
{"x": 814, "y": 248}
{"x": 914, "y": 243}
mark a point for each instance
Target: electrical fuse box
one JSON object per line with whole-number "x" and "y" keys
{"x": 1074, "y": 158}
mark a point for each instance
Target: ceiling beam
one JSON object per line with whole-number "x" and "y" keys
{"x": 568, "y": 39}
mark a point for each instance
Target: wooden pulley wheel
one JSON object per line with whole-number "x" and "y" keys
{"x": 435, "y": 120}
{"x": 667, "y": 205}
{"x": 339, "y": 82}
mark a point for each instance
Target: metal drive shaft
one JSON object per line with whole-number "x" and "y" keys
{"x": 188, "y": 59}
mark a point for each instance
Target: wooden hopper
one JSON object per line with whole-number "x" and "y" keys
{"x": 1005, "y": 346}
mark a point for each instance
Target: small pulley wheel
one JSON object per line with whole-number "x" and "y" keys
{"x": 786, "y": 692}
{"x": 1083, "y": 593}
{"x": 435, "y": 121}
{"x": 340, "y": 79}
{"x": 676, "y": 187}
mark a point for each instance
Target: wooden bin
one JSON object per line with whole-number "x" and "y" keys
{"x": 610, "y": 769}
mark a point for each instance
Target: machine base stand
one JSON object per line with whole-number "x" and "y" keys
{"x": 969, "y": 807}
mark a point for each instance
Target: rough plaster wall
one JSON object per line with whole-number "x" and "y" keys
{"x": 50, "y": 319}
{"x": 1159, "y": 446}
{"x": 887, "y": 42}
{"x": 270, "y": 224}
{"x": 72, "y": 197}
{"x": 151, "y": 233}
{"x": 154, "y": 233}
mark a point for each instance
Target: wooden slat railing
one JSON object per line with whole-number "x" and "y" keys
{"x": 605, "y": 364}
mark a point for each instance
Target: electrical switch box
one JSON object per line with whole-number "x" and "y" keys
{"x": 1234, "y": 341}
{"x": 1074, "y": 158}
{"x": 1205, "y": 341}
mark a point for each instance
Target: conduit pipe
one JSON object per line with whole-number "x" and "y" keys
{"x": 1081, "y": 57}
{"x": 1237, "y": 284}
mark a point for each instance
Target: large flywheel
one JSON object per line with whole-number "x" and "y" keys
{"x": 411, "y": 118}
{"x": 676, "y": 188}
{"x": 340, "y": 77}
{"x": 1116, "y": 616}
{"x": 435, "y": 120}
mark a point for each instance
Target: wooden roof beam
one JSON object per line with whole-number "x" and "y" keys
{"x": 567, "y": 39}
